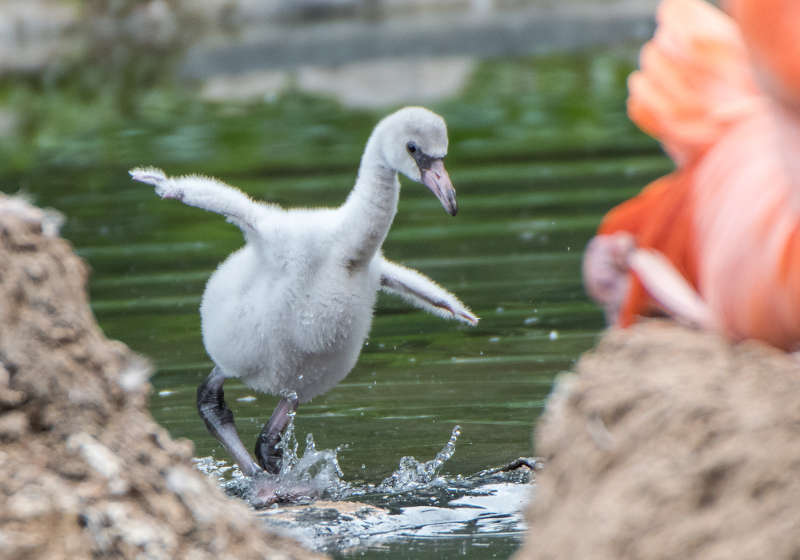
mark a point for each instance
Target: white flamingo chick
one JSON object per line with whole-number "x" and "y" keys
{"x": 289, "y": 312}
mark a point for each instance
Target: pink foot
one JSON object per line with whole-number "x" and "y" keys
{"x": 606, "y": 271}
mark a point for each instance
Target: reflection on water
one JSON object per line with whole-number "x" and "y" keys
{"x": 540, "y": 149}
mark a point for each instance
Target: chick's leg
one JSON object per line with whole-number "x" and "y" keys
{"x": 219, "y": 420}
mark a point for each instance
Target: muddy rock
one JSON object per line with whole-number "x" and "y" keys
{"x": 670, "y": 443}
{"x": 86, "y": 470}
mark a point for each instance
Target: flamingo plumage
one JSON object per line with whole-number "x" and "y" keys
{"x": 716, "y": 242}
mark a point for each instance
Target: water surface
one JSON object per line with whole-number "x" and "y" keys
{"x": 540, "y": 149}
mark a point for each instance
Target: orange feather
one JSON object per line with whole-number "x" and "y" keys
{"x": 722, "y": 94}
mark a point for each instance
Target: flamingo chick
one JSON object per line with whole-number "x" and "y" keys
{"x": 289, "y": 312}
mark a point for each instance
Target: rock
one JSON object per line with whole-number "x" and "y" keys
{"x": 86, "y": 470}
{"x": 670, "y": 443}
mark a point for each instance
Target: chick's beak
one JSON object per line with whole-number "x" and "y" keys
{"x": 435, "y": 177}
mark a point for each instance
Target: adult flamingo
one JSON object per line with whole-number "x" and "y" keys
{"x": 716, "y": 243}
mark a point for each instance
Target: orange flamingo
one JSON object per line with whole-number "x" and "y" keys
{"x": 716, "y": 243}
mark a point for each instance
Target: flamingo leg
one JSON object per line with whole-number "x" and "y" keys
{"x": 607, "y": 264}
{"x": 219, "y": 420}
{"x": 268, "y": 454}
{"x": 605, "y": 272}
{"x": 671, "y": 290}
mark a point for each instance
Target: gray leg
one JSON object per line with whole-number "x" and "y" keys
{"x": 268, "y": 455}
{"x": 219, "y": 420}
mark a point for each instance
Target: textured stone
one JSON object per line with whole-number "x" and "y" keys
{"x": 670, "y": 443}
{"x": 82, "y": 459}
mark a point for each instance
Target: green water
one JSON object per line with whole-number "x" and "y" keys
{"x": 540, "y": 149}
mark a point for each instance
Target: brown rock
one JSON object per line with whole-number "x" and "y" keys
{"x": 670, "y": 443}
{"x": 86, "y": 470}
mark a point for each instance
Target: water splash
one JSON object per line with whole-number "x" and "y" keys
{"x": 416, "y": 501}
{"x": 303, "y": 476}
{"x": 411, "y": 474}
{"x": 316, "y": 474}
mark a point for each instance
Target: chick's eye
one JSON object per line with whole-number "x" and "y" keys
{"x": 411, "y": 147}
